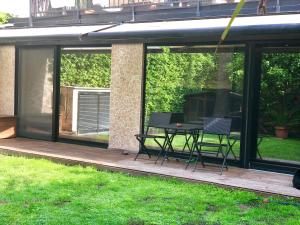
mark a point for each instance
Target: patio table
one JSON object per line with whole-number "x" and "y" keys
{"x": 171, "y": 130}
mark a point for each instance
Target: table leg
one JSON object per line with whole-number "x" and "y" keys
{"x": 169, "y": 146}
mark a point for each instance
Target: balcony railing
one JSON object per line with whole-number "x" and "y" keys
{"x": 91, "y": 11}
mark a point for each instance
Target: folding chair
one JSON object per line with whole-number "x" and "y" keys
{"x": 156, "y": 119}
{"x": 219, "y": 127}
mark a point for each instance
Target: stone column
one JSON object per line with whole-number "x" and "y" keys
{"x": 7, "y": 80}
{"x": 126, "y": 95}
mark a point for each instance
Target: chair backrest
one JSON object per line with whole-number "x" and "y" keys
{"x": 236, "y": 124}
{"x": 216, "y": 125}
{"x": 159, "y": 118}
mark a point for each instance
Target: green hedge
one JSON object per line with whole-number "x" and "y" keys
{"x": 86, "y": 70}
{"x": 170, "y": 76}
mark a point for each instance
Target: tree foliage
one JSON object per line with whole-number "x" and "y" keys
{"x": 235, "y": 71}
{"x": 280, "y": 93}
{"x": 85, "y": 70}
{"x": 172, "y": 75}
{"x": 4, "y": 17}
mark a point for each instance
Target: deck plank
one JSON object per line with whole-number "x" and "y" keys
{"x": 255, "y": 180}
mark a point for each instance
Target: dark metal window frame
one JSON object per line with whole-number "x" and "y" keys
{"x": 56, "y": 132}
{"x": 251, "y": 92}
{"x": 251, "y": 89}
{"x": 56, "y": 90}
{"x": 242, "y": 49}
{"x": 254, "y": 77}
{"x": 56, "y": 63}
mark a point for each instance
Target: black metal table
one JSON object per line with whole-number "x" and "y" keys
{"x": 171, "y": 130}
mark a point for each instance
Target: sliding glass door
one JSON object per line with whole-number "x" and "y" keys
{"x": 278, "y": 139}
{"x": 85, "y": 94}
{"x": 196, "y": 82}
{"x": 35, "y": 92}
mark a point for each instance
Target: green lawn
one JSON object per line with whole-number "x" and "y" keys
{"x": 270, "y": 147}
{"x": 276, "y": 148}
{"x": 39, "y": 192}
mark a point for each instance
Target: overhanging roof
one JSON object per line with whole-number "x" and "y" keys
{"x": 243, "y": 28}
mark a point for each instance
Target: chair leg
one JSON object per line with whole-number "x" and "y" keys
{"x": 220, "y": 142}
{"x": 258, "y": 144}
{"x": 224, "y": 162}
{"x": 199, "y": 157}
{"x": 190, "y": 158}
{"x": 186, "y": 144}
{"x": 169, "y": 147}
{"x": 231, "y": 148}
{"x": 161, "y": 149}
{"x": 165, "y": 157}
{"x": 136, "y": 156}
{"x": 196, "y": 163}
{"x": 258, "y": 152}
{"x": 143, "y": 148}
{"x": 158, "y": 157}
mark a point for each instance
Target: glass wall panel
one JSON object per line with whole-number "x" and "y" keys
{"x": 35, "y": 92}
{"x": 279, "y": 112}
{"x": 85, "y": 94}
{"x": 196, "y": 82}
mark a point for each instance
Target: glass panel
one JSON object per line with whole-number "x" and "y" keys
{"x": 279, "y": 121}
{"x": 35, "y": 93}
{"x": 85, "y": 94}
{"x": 196, "y": 82}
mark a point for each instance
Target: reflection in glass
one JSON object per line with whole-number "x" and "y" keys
{"x": 35, "y": 93}
{"x": 85, "y": 94}
{"x": 279, "y": 114}
{"x": 197, "y": 83}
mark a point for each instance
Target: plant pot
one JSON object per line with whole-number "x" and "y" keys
{"x": 281, "y": 132}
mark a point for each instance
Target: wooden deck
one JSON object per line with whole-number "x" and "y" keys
{"x": 259, "y": 181}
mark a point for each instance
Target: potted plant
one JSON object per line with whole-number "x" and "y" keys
{"x": 286, "y": 114}
{"x": 281, "y": 123}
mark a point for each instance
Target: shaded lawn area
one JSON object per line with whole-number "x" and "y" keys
{"x": 276, "y": 148}
{"x": 35, "y": 191}
{"x": 270, "y": 147}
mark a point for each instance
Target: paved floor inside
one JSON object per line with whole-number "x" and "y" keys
{"x": 261, "y": 181}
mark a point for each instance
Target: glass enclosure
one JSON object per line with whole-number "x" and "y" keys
{"x": 195, "y": 81}
{"x": 191, "y": 80}
{"x": 35, "y": 92}
{"x": 279, "y": 110}
{"x": 85, "y": 94}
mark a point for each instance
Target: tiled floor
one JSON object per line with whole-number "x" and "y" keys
{"x": 260, "y": 181}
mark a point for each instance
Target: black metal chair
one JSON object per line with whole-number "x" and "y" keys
{"x": 219, "y": 127}
{"x": 156, "y": 119}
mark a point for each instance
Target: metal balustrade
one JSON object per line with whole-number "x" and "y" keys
{"x": 112, "y": 11}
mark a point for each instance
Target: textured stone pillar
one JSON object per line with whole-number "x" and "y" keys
{"x": 126, "y": 95}
{"x": 7, "y": 80}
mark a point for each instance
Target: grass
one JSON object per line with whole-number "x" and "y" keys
{"x": 35, "y": 191}
{"x": 270, "y": 148}
{"x": 276, "y": 148}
